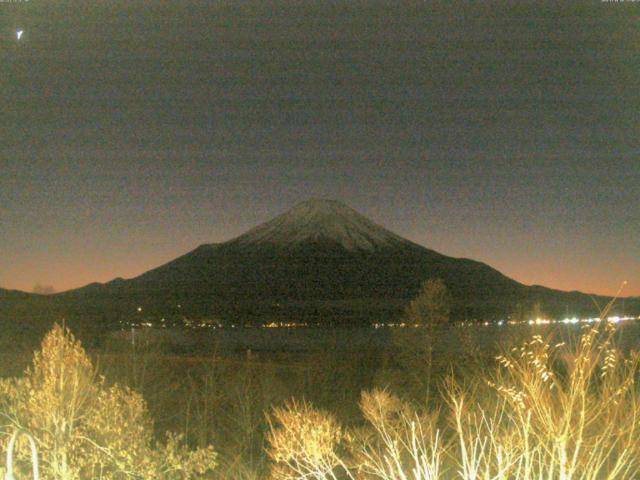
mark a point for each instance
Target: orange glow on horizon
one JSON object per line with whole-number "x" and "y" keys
{"x": 68, "y": 277}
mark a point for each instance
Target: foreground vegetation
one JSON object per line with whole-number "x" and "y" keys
{"x": 541, "y": 408}
{"x": 85, "y": 428}
{"x": 548, "y": 412}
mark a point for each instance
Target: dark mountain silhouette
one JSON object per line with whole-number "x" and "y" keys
{"x": 6, "y": 293}
{"x": 320, "y": 261}
{"x": 9, "y": 295}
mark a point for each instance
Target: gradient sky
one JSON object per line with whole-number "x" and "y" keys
{"x": 133, "y": 131}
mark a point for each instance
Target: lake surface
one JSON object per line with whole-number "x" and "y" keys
{"x": 344, "y": 339}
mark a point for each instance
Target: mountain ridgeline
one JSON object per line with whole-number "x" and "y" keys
{"x": 320, "y": 262}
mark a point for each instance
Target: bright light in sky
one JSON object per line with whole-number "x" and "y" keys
{"x": 19, "y": 34}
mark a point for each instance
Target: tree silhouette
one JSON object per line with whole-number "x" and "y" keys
{"x": 431, "y": 306}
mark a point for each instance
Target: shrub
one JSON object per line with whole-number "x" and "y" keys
{"x": 305, "y": 443}
{"x": 397, "y": 443}
{"x": 550, "y": 410}
{"x": 563, "y": 412}
{"x": 85, "y": 428}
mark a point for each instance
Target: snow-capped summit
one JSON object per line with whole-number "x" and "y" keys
{"x": 321, "y": 220}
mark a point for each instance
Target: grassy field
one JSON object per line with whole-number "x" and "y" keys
{"x": 248, "y": 402}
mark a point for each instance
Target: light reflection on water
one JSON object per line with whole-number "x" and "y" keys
{"x": 487, "y": 338}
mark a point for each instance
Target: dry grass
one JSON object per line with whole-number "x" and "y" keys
{"x": 542, "y": 409}
{"x": 86, "y": 428}
{"x": 305, "y": 443}
{"x": 548, "y": 411}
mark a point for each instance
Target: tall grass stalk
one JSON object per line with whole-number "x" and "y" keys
{"x": 550, "y": 410}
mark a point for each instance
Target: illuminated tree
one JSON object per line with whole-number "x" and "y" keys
{"x": 85, "y": 428}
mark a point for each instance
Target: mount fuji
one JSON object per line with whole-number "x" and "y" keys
{"x": 319, "y": 262}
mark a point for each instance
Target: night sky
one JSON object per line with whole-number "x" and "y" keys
{"x": 133, "y": 131}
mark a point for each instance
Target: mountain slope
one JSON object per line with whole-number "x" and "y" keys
{"x": 321, "y": 220}
{"x": 5, "y": 294}
{"x": 320, "y": 261}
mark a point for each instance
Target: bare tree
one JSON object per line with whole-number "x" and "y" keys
{"x": 537, "y": 311}
{"x": 431, "y": 306}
